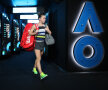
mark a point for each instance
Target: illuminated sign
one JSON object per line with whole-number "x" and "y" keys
{"x": 7, "y": 29}
{"x": 32, "y": 21}
{"x": 25, "y": 10}
{"x": 87, "y": 15}
{"x": 16, "y": 30}
{"x": 35, "y": 16}
{"x": 6, "y": 34}
{"x": 0, "y": 39}
{"x": 24, "y": 2}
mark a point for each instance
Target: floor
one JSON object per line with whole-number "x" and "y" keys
{"x": 16, "y": 74}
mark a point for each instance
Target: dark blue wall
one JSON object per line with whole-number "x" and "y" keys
{"x": 57, "y": 24}
{"x": 62, "y": 17}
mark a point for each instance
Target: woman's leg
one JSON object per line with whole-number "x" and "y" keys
{"x": 37, "y": 63}
{"x": 42, "y": 52}
{"x": 38, "y": 59}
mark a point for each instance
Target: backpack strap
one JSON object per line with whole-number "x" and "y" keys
{"x": 45, "y": 25}
{"x": 37, "y": 27}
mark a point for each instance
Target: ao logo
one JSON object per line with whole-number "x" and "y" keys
{"x": 87, "y": 15}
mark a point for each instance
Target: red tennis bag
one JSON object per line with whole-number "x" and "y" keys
{"x": 28, "y": 41}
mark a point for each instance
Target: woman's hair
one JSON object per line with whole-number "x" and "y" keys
{"x": 41, "y": 14}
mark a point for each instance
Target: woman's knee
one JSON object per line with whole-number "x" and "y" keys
{"x": 38, "y": 58}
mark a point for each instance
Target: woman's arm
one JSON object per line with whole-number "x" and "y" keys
{"x": 48, "y": 30}
{"x": 31, "y": 31}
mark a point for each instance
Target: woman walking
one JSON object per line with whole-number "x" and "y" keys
{"x": 40, "y": 43}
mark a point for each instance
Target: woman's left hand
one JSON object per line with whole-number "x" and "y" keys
{"x": 47, "y": 29}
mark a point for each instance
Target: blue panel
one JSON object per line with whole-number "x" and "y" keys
{"x": 18, "y": 44}
{"x": 8, "y": 46}
{"x": 24, "y": 2}
{"x": 88, "y": 13}
{"x": 98, "y": 52}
